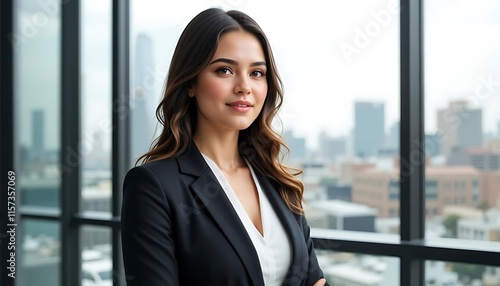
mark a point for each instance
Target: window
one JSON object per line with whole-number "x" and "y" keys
{"x": 466, "y": 114}
{"x": 347, "y": 167}
{"x": 394, "y": 190}
{"x": 40, "y": 252}
{"x": 96, "y": 254}
{"x": 38, "y": 104}
{"x": 63, "y": 95}
{"x": 96, "y": 125}
{"x": 348, "y": 151}
{"x": 38, "y": 140}
{"x": 431, "y": 190}
{"x": 475, "y": 184}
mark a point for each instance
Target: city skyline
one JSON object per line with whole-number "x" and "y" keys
{"x": 326, "y": 70}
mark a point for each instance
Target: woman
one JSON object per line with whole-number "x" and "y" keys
{"x": 212, "y": 205}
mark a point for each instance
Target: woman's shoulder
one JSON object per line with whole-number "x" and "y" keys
{"x": 160, "y": 164}
{"x": 159, "y": 168}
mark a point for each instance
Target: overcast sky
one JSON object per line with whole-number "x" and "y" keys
{"x": 329, "y": 53}
{"x": 312, "y": 40}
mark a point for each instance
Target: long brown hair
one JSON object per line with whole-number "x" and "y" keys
{"x": 177, "y": 112}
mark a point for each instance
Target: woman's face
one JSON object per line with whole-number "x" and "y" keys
{"x": 231, "y": 90}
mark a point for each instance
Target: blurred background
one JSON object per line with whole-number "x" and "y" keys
{"x": 340, "y": 64}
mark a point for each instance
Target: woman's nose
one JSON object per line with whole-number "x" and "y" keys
{"x": 242, "y": 86}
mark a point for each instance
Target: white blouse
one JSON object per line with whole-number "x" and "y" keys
{"x": 273, "y": 248}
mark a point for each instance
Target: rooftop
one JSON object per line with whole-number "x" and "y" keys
{"x": 342, "y": 208}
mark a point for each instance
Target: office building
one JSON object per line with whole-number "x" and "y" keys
{"x": 339, "y": 192}
{"x": 482, "y": 159}
{"x": 331, "y": 149}
{"x": 393, "y": 139}
{"x": 38, "y": 140}
{"x": 492, "y": 145}
{"x": 369, "y": 130}
{"x": 487, "y": 162}
{"x": 141, "y": 117}
{"x": 446, "y": 185}
{"x": 297, "y": 146}
{"x": 432, "y": 145}
{"x": 459, "y": 126}
{"x": 341, "y": 215}
{"x": 486, "y": 227}
{"x": 349, "y": 168}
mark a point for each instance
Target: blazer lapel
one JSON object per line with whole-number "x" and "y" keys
{"x": 213, "y": 197}
{"x": 297, "y": 270}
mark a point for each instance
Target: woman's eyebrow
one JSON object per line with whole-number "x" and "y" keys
{"x": 235, "y": 63}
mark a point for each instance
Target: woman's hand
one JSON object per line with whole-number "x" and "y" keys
{"x": 320, "y": 282}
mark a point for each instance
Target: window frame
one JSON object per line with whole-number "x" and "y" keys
{"x": 6, "y": 126}
{"x": 69, "y": 216}
{"x": 411, "y": 247}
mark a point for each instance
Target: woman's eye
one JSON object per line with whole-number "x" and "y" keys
{"x": 224, "y": 71}
{"x": 257, "y": 73}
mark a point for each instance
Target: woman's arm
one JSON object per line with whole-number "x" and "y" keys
{"x": 146, "y": 229}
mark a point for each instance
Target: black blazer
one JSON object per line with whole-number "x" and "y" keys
{"x": 179, "y": 228}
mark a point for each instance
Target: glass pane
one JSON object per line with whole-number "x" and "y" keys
{"x": 447, "y": 273}
{"x": 96, "y": 105}
{"x": 40, "y": 254}
{"x": 97, "y": 264}
{"x": 462, "y": 115}
{"x": 151, "y": 46}
{"x": 36, "y": 42}
{"x": 340, "y": 118}
{"x": 351, "y": 269}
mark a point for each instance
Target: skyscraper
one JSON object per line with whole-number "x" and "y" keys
{"x": 38, "y": 140}
{"x": 297, "y": 147}
{"x": 141, "y": 118}
{"x": 432, "y": 145}
{"x": 459, "y": 126}
{"x": 393, "y": 138}
{"x": 369, "y": 132}
{"x": 331, "y": 148}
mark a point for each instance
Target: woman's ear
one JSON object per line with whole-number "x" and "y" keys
{"x": 191, "y": 90}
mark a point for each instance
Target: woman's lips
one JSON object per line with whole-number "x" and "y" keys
{"x": 240, "y": 105}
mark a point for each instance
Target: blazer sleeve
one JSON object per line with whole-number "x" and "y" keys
{"x": 146, "y": 230}
{"x": 314, "y": 272}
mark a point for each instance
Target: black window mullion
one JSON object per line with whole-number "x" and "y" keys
{"x": 40, "y": 213}
{"x": 412, "y": 166}
{"x": 70, "y": 139}
{"x": 450, "y": 250}
{"x": 98, "y": 219}
{"x": 6, "y": 129}
{"x": 120, "y": 114}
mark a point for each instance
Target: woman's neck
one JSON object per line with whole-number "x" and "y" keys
{"x": 221, "y": 146}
